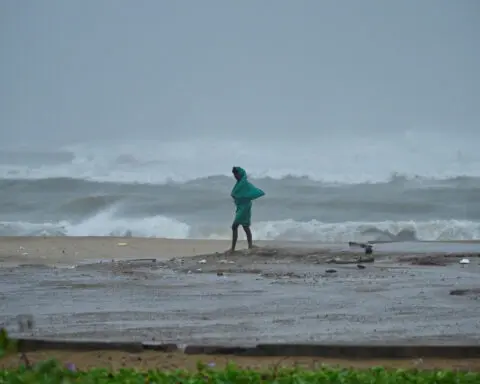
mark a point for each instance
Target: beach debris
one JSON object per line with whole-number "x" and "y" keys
{"x": 367, "y": 246}
{"x": 464, "y": 261}
{"x": 203, "y": 261}
{"x": 360, "y": 266}
{"x": 223, "y": 261}
{"x": 417, "y": 362}
{"x": 211, "y": 365}
{"x": 465, "y": 292}
{"x": 25, "y": 254}
{"x": 199, "y": 270}
{"x": 426, "y": 260}
{"x": 71, "y": 367}
{"x": 331, "y": 271}
{"x": 219, "y": 273}
{"x": 358, "y": 260}
{"x": 122, "y": 244}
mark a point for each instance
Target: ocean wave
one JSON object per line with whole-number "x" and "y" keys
{"x": 107, "y": 223}
{"x": 59, "y": 184}
{"x": 360, "y": 160}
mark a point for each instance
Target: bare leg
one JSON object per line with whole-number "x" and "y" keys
{"x": 249, "y": 237}
{"x": 234, "y": 237}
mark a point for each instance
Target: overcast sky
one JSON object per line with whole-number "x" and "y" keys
{"x": 96, "y": 69}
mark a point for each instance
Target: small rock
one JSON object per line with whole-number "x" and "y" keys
{"x": 219, "y": 273}
{"x": 331, "y": 271}
{"x": 360, "y": 266}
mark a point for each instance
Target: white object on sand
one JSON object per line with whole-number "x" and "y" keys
{"x": 464, "y": 261}
{"x": 122, "y": 244}
{"x": 202, "y": 261}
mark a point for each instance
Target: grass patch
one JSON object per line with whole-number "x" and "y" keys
{"x": 52, "y": 372}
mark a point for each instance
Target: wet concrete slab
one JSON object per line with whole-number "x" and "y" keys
{"x": 291, "y": 296}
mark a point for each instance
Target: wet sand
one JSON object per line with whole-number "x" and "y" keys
{"x": 188, "y": 291}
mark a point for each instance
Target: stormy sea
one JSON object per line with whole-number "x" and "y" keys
{"x": 328, "y": 190}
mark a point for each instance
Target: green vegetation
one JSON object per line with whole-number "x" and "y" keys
{"x": 52, "y": 372}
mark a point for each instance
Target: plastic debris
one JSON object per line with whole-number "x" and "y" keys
{"x": 464, "y": 261}
{"x": 202, "y": 261}
{"x": 122, "y": 244}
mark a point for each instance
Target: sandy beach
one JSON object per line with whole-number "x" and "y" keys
{"x": 172, "y": 361}
{"x": 189, "y": 291}
{"x": 78, "y": 250}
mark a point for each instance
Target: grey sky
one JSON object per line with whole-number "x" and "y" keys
{"x": 82, "y": 70}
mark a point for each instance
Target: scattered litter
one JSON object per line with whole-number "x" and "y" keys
{"x": 219, "y": 273}
{"x": 360, "y": 266}
{"x": 231, "y": 262}
{"x": 223, "y": 261}
{"x": 122, "y": 244}
{"x": 331, "y": 271}
{"x": 71, "y": 367}
{"x": 202, "y": 261}
{"x": 211, "y": 365}
{"x": 25, "y": 254}
{"x": 464, "y": 261}
{"x": 199, "y": 270}
{"x": 418, "y": 361}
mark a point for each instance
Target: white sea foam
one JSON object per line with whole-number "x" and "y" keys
{"x": 106, "y": 224}
{"x": 332, "y": 159}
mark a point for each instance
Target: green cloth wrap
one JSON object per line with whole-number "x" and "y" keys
{"x": 243, "y": 193}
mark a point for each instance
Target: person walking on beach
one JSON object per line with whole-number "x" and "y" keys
{"x": 243, "y": 193}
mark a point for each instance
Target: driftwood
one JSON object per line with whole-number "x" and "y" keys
{"x": 352, "y": 261}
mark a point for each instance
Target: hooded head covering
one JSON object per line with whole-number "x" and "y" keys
{"x": 243, "y": 190}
